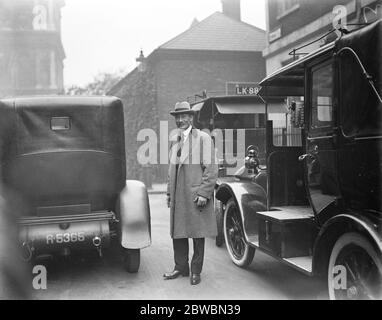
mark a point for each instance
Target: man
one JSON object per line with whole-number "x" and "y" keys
{"x": 191, "y": 180}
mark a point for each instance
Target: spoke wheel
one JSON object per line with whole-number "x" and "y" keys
{"x": 362, "y": 269}
{"x": 239, "y": 250}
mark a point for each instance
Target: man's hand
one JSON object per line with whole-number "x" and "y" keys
{"x": 168, "y": 201}
{"x": 200, "y": 201}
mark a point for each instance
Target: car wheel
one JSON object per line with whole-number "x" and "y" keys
{"x": 355, "y": 269}
{"x": 239, "y": 250}
{"x": 131, "y": 260}
{"x": 219, "y": 240}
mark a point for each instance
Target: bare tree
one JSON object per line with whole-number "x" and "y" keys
{"x": 101, "y": 84}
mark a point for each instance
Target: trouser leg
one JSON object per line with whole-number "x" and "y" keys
{"x": 181, "y": 254}
{"x": 198, "y": 256}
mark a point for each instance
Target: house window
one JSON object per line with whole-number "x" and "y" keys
{"x": 25, "y": 71}
{"x": 43, "y": 69}
{"x": 3, "y": 71}
{"x": 5, "y": 17}
{"x": 284, "y": 7}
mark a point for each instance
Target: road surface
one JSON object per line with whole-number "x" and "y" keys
{"x": 95, "y": 278}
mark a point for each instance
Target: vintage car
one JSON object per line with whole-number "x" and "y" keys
{"x": 241, "y": 121}
{"x": 64, "y": 159}
{"x": 321, "y": 209}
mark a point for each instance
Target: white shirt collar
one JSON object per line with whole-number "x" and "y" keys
{"x": 187, "y": 132}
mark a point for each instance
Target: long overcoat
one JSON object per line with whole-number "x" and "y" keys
{"x": 196, "y": 175}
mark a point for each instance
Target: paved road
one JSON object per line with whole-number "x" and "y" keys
{"x": 94, "y": 278}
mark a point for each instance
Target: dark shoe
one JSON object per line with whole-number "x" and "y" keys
{"x": 195, "y": 279}
{"x": 174, "y": 274}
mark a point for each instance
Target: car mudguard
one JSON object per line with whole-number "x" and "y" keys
{"x": 366, "y": 223}
{"x": 133, "y": 212}
{"x": 250, "y": 198}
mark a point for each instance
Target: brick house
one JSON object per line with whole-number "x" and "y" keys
{"x": 211, "y": 53}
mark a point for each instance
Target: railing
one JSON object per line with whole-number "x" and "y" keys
{"x": 231, "y": 158}
{"x": 288, "y": 137}
{"x": 281, "y": 137}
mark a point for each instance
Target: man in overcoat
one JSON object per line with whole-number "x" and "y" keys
{"x": 191, "y": 180}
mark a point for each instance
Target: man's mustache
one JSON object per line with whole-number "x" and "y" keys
{"x": 181, "y": 123}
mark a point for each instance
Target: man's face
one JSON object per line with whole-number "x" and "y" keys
{"x": 183, "y": 121}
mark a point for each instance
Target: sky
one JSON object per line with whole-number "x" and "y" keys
{"x": 107, "y": 35}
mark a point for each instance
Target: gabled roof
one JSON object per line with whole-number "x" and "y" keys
{"x": 219, "y": 32}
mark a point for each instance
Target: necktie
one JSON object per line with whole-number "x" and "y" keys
{"x": 178, "y": 154}
{"x": 180, "y": 146}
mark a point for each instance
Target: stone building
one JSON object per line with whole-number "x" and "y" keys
{"x": 295, "y": 23}
{"x": 212, "y": 53}
{"x": 31, "y": 51}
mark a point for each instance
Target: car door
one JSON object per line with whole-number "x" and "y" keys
{"x": 321, "y": 158}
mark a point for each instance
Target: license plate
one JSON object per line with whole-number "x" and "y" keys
{"x": 68, "y": 237}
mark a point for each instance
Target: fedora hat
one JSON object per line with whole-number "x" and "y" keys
{"x": 182, "y": 107}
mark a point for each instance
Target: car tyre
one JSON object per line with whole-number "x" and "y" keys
{"x": 240, "y": 252}
{"x": 219, "y": 240}
{"x": 363, "y": 267}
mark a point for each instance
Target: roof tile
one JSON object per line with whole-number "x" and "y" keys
{"x": 219, "y": 32}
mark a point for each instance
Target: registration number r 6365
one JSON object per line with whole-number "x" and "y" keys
{"x": 65, "y": 237}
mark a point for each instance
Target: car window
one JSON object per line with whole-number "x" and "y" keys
{"x": 322, "y": 102}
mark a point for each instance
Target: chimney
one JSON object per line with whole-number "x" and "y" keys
{"x": 194, "y": 23}
{"x": 231, "y": 8}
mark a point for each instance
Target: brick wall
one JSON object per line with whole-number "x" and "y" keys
{"x": 307, "y": 11}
